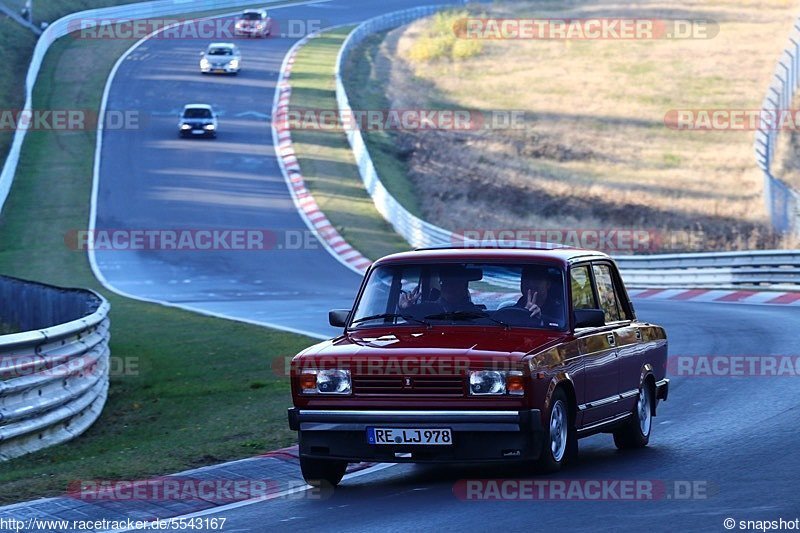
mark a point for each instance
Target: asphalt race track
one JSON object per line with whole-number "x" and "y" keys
{"x": 735, "y": 437}
{"x": 150, "y": 179}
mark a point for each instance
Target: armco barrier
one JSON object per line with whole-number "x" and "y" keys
{"x": 53, "y": 367}
{"x": 67, "y": 24}
{"x": 771, "y": 268}
{"x": 416, "y": 231}
{"x": 707, "y": 270}
{"x": 783, "y": 203}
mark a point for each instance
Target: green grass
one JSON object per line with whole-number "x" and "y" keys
{"x": 441, "y": 39}
{"x": 367, "y": 92}
{"x": 326, "y": 159}
{"x": 18, "y": 43}
{"x": 204, "y": 391}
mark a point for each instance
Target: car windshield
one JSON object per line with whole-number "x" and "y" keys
{"x": 488, "y": 294}
{"x": 195, "y": 112}
{"x": 220, "y": 52}
{"x": 251, "y": 16}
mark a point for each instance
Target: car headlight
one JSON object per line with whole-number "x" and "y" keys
{"x": 496, "y": 383}
{"x": 210, "y": 127}
{"x": 234, "y": 63}
{"x": 333, "y": 381}
{"x": 204, "y": 63}
{"x": 185, "y": 127}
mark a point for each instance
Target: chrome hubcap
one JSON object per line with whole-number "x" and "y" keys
{"x": 558, "y": 430}
{"x": 645, "y": 416}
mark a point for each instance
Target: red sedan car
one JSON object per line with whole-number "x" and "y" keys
{"x": 464, "y": 355}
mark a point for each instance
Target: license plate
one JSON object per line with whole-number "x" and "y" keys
{"x": 410, "y": 436}
{"x": 198, "y": 132}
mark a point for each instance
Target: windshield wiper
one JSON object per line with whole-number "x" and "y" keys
{"x": 407, "y": 318}
{"x": 465, "y": 315}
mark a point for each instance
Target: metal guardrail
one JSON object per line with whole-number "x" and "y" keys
{"x": 54, "y": 368}
{"x": 713, "y": 270}
{"x": 707, "y": 270}
{"x": 782, "y": 202}
{"x": 414, "y": 230}
{"x": 68, "y": 24}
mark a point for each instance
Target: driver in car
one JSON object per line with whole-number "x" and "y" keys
{"x": 539, "y": 297}
{"x": 453, "y": 295}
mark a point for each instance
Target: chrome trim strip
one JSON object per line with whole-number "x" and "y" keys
{"x": 604, "y": 422}
{"x": 465, "y": 414}
{"x": 610, "y": 399}
{"x": 662, "y": 382}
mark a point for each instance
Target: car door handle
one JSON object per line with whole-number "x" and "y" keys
{"x": 611, "y": 340}
{"x": 638, "y": 335}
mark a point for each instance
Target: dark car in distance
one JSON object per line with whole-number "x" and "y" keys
{"x": 478, "y": 355}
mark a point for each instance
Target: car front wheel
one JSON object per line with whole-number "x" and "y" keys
{"x": 636, "y": 432}
{"x": 561, "y": 442}
{"x": 321, "y": 472}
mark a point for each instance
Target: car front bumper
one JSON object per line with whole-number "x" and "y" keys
{"x": 662, "y": 390}
{"x": 251, "y": 31}
{"x": 227, "y": 69}
{"x": 478, "y": 436}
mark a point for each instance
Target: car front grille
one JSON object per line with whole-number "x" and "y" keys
{"x": 408, "y": 385}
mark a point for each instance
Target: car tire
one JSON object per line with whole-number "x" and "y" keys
{"x": 322, "y": 472}
{"x": 560, "y": 441}
{"x": 636, "y": 431}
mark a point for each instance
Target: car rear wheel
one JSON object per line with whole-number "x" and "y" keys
{"x": 322, "y": 472}
{"x": 636, "y": 432}
{"x": 561, "y": 442}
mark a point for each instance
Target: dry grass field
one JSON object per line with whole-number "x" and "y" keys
{"x": 594, "y": 151}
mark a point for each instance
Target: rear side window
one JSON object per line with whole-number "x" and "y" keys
{"x": 606, "y": 291}
{"x": 582, "y": 294}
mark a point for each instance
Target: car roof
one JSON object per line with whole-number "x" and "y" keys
{"x": 259, "y": 11}
{"x": 222, "y": 45}
{"x": 197, "y": 106}
{"x": 556, "y": 256}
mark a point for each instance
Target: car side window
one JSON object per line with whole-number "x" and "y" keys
{"x": 582, "y": 293}
{"x": 609, "y": 302}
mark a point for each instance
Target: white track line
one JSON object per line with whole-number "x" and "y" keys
{"x": 252, "y": 501}
{"x": 96, "y": 181}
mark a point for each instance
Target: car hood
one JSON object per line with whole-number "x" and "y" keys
{"x": 219, "y": 59}
{"x": 462, "y": 342}
{"x": 197, "y": 120}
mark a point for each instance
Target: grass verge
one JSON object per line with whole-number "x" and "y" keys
{"x": 593, "y": 150}
{"x": 202, "y": 391}
{"x": 19, "y": 42}
{"x": 326, "y": 159}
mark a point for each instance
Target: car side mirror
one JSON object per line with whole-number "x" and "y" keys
{"x": 589, "y": 318}
{"x": 202, "y": 54}
{"x": 338, "y": 317}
